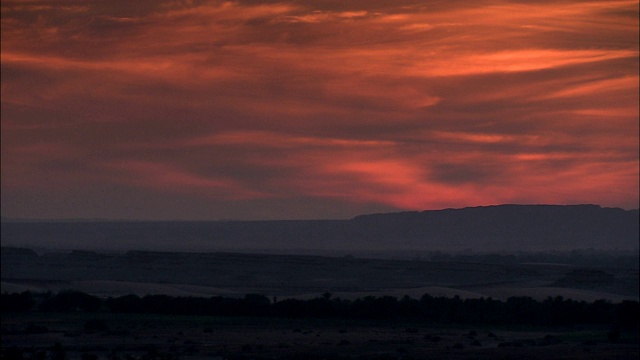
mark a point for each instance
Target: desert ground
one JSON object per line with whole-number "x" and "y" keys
{"x": 290, "y": 276}
{"x": 123, "y": 336}
{"x": 146, "y": 336}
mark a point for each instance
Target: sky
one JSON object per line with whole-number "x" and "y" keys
{"x": 324, "y": 109}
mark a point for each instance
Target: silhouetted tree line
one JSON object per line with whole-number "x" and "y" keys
{"x": 515, "y": 310}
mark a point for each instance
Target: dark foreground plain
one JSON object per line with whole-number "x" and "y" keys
{"x": 111, "y": 335}
{"x": 145, "y": 336}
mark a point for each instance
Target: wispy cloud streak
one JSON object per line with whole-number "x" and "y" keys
{"x": 277, "y": 109}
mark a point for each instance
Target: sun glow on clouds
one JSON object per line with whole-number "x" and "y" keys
{"x": 241, "y": 105}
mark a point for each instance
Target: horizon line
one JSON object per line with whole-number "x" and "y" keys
{"x": 10, "y": 219}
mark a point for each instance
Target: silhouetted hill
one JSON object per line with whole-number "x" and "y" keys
{"x": 509, "y": 227}
{"x": 491, "y": 228}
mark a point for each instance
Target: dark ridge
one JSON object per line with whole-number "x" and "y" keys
{"x": 489, "y": 228}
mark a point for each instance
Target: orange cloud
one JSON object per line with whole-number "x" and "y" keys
{"x": 383, "y": 105}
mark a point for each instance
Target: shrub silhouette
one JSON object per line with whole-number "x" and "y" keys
{"x": 17, "y": 302}
{"x": 627, "y": 314}
{"x": 93, "y": 325}
{"x": 66, "y": 301}
{"x": 515, "y": 310}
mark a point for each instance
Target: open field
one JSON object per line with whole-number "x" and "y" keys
{"x": 235, "y": 274}
{"x": 189, "y": 337}
{"x": 232, "y": 275}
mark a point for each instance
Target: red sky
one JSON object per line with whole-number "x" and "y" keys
{"x": 315, "y": 109}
